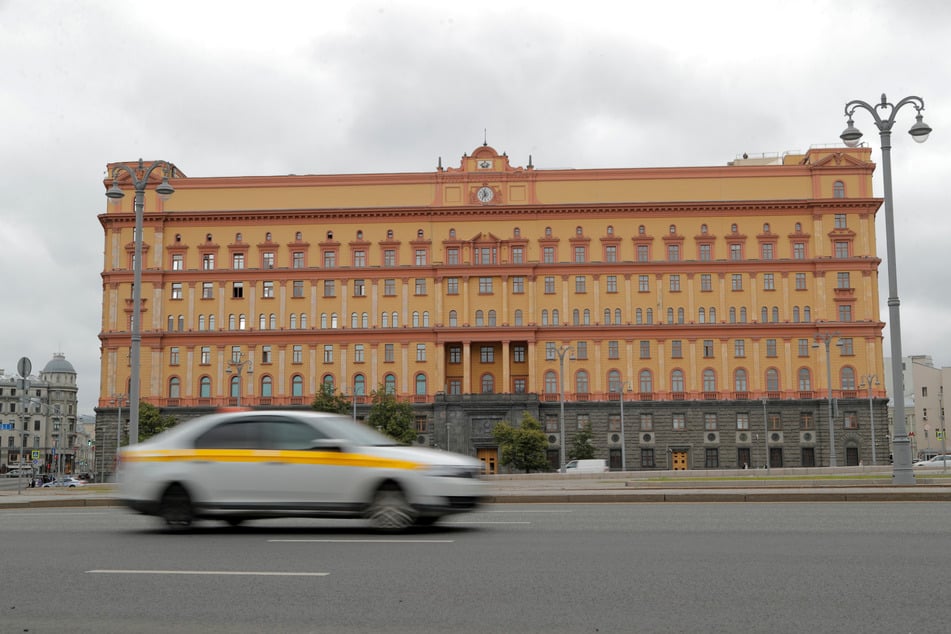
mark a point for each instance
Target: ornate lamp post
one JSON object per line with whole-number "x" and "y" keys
{"x": 903, "y": 473}
{"x": 561, "y": 389}
{"x": 236, "y": 366}
{"x": 868, "y": 381}
{"x": 140, "y": 178}
{"x": 826, "y": 339}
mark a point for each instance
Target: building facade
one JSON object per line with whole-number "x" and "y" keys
{"x": 38, "y": 419}
{"x": 924, "y": 404}
{"x": 692, "y": 317}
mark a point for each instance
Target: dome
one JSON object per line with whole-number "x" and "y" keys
{"x": 59, "y": 364}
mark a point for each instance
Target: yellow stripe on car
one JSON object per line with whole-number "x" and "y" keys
{"x": 331, "y": 458}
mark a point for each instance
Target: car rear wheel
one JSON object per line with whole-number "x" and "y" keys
{"x": 176, "y": 507}
{"x": 389, "y": 511}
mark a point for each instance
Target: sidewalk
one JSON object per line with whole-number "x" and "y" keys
{"x": 627, "y": 487}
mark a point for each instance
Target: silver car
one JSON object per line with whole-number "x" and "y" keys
{"x": 935, "y": 462}
{"x": 237, "y": 466}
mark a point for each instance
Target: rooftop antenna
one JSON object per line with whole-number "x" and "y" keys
{"x": 485, "y": 137}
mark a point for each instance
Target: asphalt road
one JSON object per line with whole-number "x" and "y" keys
{"x": 721, "y": 567}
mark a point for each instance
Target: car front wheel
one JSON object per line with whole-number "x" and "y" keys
{"x": 389, "y": 511}
{"x": 176, "y": 507}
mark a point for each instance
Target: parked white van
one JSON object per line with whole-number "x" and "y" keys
{"x": 587, "y": 466}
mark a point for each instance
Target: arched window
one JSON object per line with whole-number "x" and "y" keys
{"x": 426, "y": 319}
{"x": 354, "y": 320}
{"x": 266, "y": 386}
{"x": 231, "y": 322}
{"x": 670, "y": 315}
{"x": 395, "y": 318}
{"x": 297, "y": 385}
{"x": 638, "y": 316}
{"x": 359, "y": 385}
{"x": 650, "y": 316}
{"x": 806, "y": 314}
{"x": 581, "y": 382}
{"x": 365, "y": 320}
{"x": 518, "y": 317}
{"x": 795, "y": 314}
{"x": 680, "y": 315}
{"x": 677, "y": 381}
{"x": 328, "y": 383}
{"x": 491, "y": 317}
{"x": 235, "y": 386}
{"x": 181, "y": 323}
{"x": 743, "y": 314}
{"x": 389, "y": 384}
{"x": 713, "y": 315}
{"x": 453, "y": 321}
{"x": 764, "y": 314}
{"x": 487, "y": 384}
{"x": 204, "y": 387}
{"x": 545, "y": 317}
{"x": 765, "y": 227}
{"x": 838, "y": 189}
{"x": 614, "y": 381}
{"x": 303, "y": 321}
{"x": 617, "y": 316}
{"x": 201, "y": 322}
{"x": 420, "y": 384}
{"x": 709, "y": 380}
{"x": 740, "y": 383}
{"x": 551, "y": 383}
{"x": 587, "y": 317}
{"x": 576, "y": 317}
{"x": 554, "y": 317}
{"x": 772, "y": 380}
{"x": 479, "y": 318}
{"x": 262, "y": 322}
{"x": 732, "y": 314}
{"x": 775, "y": 314}
{"x": 385, "y": 319}
{"x": 333, "y": 321}
{"x": 645, "y": 381}
{"x": 174, "y": 387}
{"x": 415, "y": 319}
{"x": 701, "y": 316}
{"x": 848, "y": 378}
{"x": 607, "y": 315}
{"x": 805, "y": 380}
{"x": 323, "y": 320}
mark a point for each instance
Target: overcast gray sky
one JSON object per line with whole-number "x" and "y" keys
{"x": 256, "y": 88}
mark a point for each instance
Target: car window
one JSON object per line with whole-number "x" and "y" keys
{"x": 288, "y": 434}
{"x": 237, "y": 434}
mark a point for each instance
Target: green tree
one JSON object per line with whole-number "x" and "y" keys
{"x": 392, "y": 416}
{"x": 523, "y": 447}
{"x": 152, "y": 421}
{"x": 582, "y": 449}
{"x": 329, "y": 400}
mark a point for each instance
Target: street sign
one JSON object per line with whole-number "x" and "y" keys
{"x": 6, "y": 426}
{"x": 35, "y": 454}
{"x": 24, "y": 367}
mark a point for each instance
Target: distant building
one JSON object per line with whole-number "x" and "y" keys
{"x": 39, "y": 420}
{"x": 483, "y": 290}
{"x": 924, "y": 404}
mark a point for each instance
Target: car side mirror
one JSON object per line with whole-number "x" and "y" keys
{"x": 328, "y": 444}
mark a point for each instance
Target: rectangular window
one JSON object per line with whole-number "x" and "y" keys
{"x": 178, "y": 262}
{"x": 708, "y": 348}
{"x": 548, "y": 255}
{"x": 265, "y": 354}
{"x": 550, "y": 351}
{"x": 330, "y": 288}
{"x": 455, "y": 387}
{"x": 580, "y": 284}
{"x": 614, "y": 422}
{"x": 207, "y": 290}
{"x": 736, "y": 281}
{"x": 583, "y": 421}
{"x": 388, "y": 354}
{"x": 581, "y": 350}
{"x": 613, "y": 350}
{"x": 518, "y": 353}
{"x": 840, "y": 221}
{"x": 806, "y": 421}
{"x": 771, "y": 348}
{"x": 739, "y": 348}
{"x": 297, "y": 288}
{"x": 647, "y": 422}
{"x": 643, "y": 253}
{"x": 647, "y": 458}
{"x": 237, "y": 290}
{"x": 611, "y": 284}
{"x": 841, "y": 249}
{"x": 297, "y": 259}
{"x": 328, "y": 353}
{"x": 643, "y": 283}
{"x": 676, "y": 349}
{"x": 743, "y": 422}
{"x": 579, "y": 255}
{"x": 518, "y": 285}
{"x": 389, "y": 288}
{"x": 736, "y": 251}
{"x": 549, "y": 284}
{"x": 485, "y": 286}
{"x": 389, "y": 257}
{"x": 420, "y": 257}
{"x": 675, "y": 283}
{"x": 297, "y": 354}
{"x": 208, "y": 262}
{"x": 799, "y": 250}
{"x": 843, "y": 280}
{"x": 173, "y": 355}
{"x": 610, "y": 253}
{"x": 711, "y": 458}
{"x": 645, "y": 348}
{"x": 846, "y": 349}
{"x": 710, "y": 422}
{"x": 800, "y": 281}
{"x": 360, "y": 259}
{"x": 359, "y": 288}
{"x": 455, "y": 354}
{"x": 330, "y": 259}
{"x": 237, "y": 261}
{"x": 518, "y": 255}
{"x": 268, "y": 289}
{"x": 176, "y": 290}
{"x": 706, "y": 253}
{"x": 486, "y": 354}
{"x": 803, "y": 348}
{"x": 769, "y": 283}
{"x": 420, "y": 286}
{"x": 206, "y": 355}
{"x": 673, "y": 252}
{"x": 767, "y": 250}
{"x": 851, "y": 420}
{"x": 267, "y": 260}
{"x": 706, "y": 282}
{"x": 421, "y": 352}
{"x": 775, "y": 421}
{"x": 845, "y": 312}
{"x": 679, "y": 422}
{"x": 452, "y": 286}
{"x": 552, "y": 424}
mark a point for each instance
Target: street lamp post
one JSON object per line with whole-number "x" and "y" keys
{"x": 868, "y": 381}
{"x": 765, "y": 436}
{"x": 561, "y": 389}
{"x": 118, "y": 399}
{"x": 826, "y": 339}
{"x": 24, "y": 367}
{"x": 140, "y": 177}
{"x": 236, "y": 366}
{"x": 624, "y": 387}
{"x": 903, "y": 473}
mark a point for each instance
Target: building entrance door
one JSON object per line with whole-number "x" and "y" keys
{"x": 743, "y": 457}
{"x": 776, "y": 457}
{"x": 851, "y": 456}
{"x": 678, "y": 460}
{"x": 488, "y": 458}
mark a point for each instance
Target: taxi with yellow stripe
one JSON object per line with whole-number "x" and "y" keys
{"x": 238, "y": 466}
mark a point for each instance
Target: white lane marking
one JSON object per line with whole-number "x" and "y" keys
{"x": 524, "y": 511}
{"x": 477, "y": 522}
{"x": 362, "y": 541}
{"x": 210, "y": 572}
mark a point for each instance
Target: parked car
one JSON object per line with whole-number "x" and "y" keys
{"x": 935, "y": 462}
{"x": 237, "y": 466}
{"x": 587, "y": 466}
{"x": 64, "y": 482}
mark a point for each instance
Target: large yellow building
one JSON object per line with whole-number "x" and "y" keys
{"x": 710, "y": 297}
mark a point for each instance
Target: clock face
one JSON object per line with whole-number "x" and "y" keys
{"x": 485, "y": 194}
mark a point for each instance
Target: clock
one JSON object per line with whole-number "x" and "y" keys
{"x": 485, "y": 194}
{"x": 485, "y": 164}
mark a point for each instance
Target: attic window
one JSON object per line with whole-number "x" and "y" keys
{"x": 298, "y": 236}
{"x": 360, "y": 235}
{"x": 267, "y": 236}
{"x": 419, "y": 234}
{"x": 237, "y": 237}
{"x": 452, "y": 233}
{"x": 389, "y": 234}
{"x": 178, "y": 237}
{"x": 208, "y": 238}
{"x": 641, "y": 230}
{"x": 330, "y": 235}
{"x": 610, "y": 230}
{"x": 703, "y": 229}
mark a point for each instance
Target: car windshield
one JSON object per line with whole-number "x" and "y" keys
{"x": 357, "y": 433}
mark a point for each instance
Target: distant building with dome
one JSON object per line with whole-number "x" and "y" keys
{"x": 41, "y": 417}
